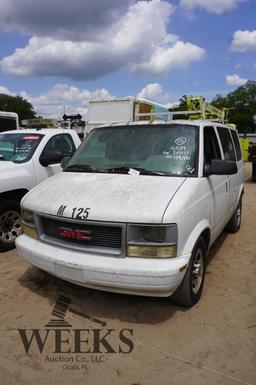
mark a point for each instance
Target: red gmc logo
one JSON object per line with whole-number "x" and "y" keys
{"x": 79, "y": 235}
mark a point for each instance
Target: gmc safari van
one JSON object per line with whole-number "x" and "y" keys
{"x": 137, "y": 208}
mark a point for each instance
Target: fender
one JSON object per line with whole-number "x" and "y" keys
{"x": 197, "y": 231}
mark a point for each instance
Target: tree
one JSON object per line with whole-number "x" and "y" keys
{"x": 181, "y": 106}
{"x": 242, "y": 106}
{"x": 239, "y": 104}
{"x": 17, "y": 104}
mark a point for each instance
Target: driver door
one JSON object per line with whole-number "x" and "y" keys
{"x": 62, "y": 143}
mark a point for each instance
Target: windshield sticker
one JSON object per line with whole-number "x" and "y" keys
{"x": 180, "y": 141}
{"x": 133, "y": 172}
{"x": 30, "y": 138}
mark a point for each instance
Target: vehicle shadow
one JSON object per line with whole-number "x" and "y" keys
{"x": 215, "y": 247}
{"x": 100, "y": 305}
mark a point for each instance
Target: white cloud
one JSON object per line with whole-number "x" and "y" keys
{"x": 69, "y": 99}
{"x": 61, "y": 19}
{"x": 6, "y": 91}
{"x": 235, "y": 80}
{"x": 63, "y": 97}
{"x": 244, "y": 41}
{"x": 180, "y": 55}
{"x": 212, "y": 6}
{"x": 154, "y": 92}
{"x": 142, "y": 46}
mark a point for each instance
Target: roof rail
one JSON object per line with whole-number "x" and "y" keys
{"x": 197, "y": 109}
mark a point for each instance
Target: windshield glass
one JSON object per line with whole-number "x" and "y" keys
{"x": 18, "y": 148}
{"x": 167, "y": 149}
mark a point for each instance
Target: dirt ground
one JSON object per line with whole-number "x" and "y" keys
{"x": 212, "y": 343}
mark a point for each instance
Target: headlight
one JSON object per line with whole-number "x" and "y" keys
{"x": 152, "y": 251}
{"x": 153, "y": 234}
{"x": 27, "y": 216}
{"x": 147, "y": 241}
{"x": 28, "y": 225}
{"x": 29, "y": 230}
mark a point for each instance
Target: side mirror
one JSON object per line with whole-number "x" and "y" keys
{"x": 220, "y": 167}
{"x": 52, "y": 157}
{"x": 65, "y": 161}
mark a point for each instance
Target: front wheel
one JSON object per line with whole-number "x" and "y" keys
{"x": 190, "y": 289}
{"x": 10, "y": 224}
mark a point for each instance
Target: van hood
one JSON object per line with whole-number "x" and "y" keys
{"x": 109, "y": 197}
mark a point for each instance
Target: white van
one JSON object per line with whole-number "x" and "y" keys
{"x": 137, "y": 208}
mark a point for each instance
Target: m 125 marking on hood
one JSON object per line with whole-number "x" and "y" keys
{"x": 61, "y": 210}
{"x": 80, "y": 213}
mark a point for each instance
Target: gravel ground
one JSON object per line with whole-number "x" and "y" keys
{"x": 212, "y": 343}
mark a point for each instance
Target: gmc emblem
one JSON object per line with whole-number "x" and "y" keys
{"x": 79, "y": 235}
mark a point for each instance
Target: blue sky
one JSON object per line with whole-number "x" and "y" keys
{"x": 59, "y": 53}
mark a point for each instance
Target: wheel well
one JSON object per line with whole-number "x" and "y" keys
{"x": 15, "y": 195}
{"x": 206, "y": 235}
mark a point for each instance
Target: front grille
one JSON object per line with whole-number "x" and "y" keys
{"x": 101, "y": 235}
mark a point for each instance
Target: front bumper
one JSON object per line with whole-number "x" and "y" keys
{"x": 138, "y": 276}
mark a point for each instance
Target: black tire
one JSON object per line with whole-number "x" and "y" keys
{"x": 235, "y": 222}
{"x": 190, "y": 289}
{"x": 10, "y": 224}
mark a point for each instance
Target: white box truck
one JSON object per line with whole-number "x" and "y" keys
{"x": 107, "y": 112}
{"x": 8, "y": 121}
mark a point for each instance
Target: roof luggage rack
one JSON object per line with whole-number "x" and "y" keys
{"x": 197, "y": 109}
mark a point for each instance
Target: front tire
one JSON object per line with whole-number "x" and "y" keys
{"x": 10, "y": 224}
{"x": 190, "y": 289}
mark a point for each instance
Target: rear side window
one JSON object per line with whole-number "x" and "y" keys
{"x": 237, "y": 144}
{"x": 227, "y": 144}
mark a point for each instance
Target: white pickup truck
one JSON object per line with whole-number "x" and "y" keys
{"x": 27, "y": 157}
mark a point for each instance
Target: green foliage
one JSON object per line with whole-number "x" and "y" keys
{"x": 17, "y": 104}
{"x": 240, "y": 105}
{"x": 181, "y": 106}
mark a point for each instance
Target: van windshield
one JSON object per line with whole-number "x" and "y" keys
{"x": 18, "y": 147}
{"x": 149, "y": 149}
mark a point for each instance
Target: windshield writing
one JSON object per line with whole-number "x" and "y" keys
{"x": 18, "y": 147}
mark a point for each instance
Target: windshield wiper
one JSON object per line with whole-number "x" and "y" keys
{"x": 140, "y": 170}
{"x": 117, "y": 170}
{"x": 83, "y": 168}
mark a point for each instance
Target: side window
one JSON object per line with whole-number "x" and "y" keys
{"x": 63, "y": 143}
{"x": 227, "y": 144}
{"x": 211, "y": 145}
{"x": 237, "y": 144}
